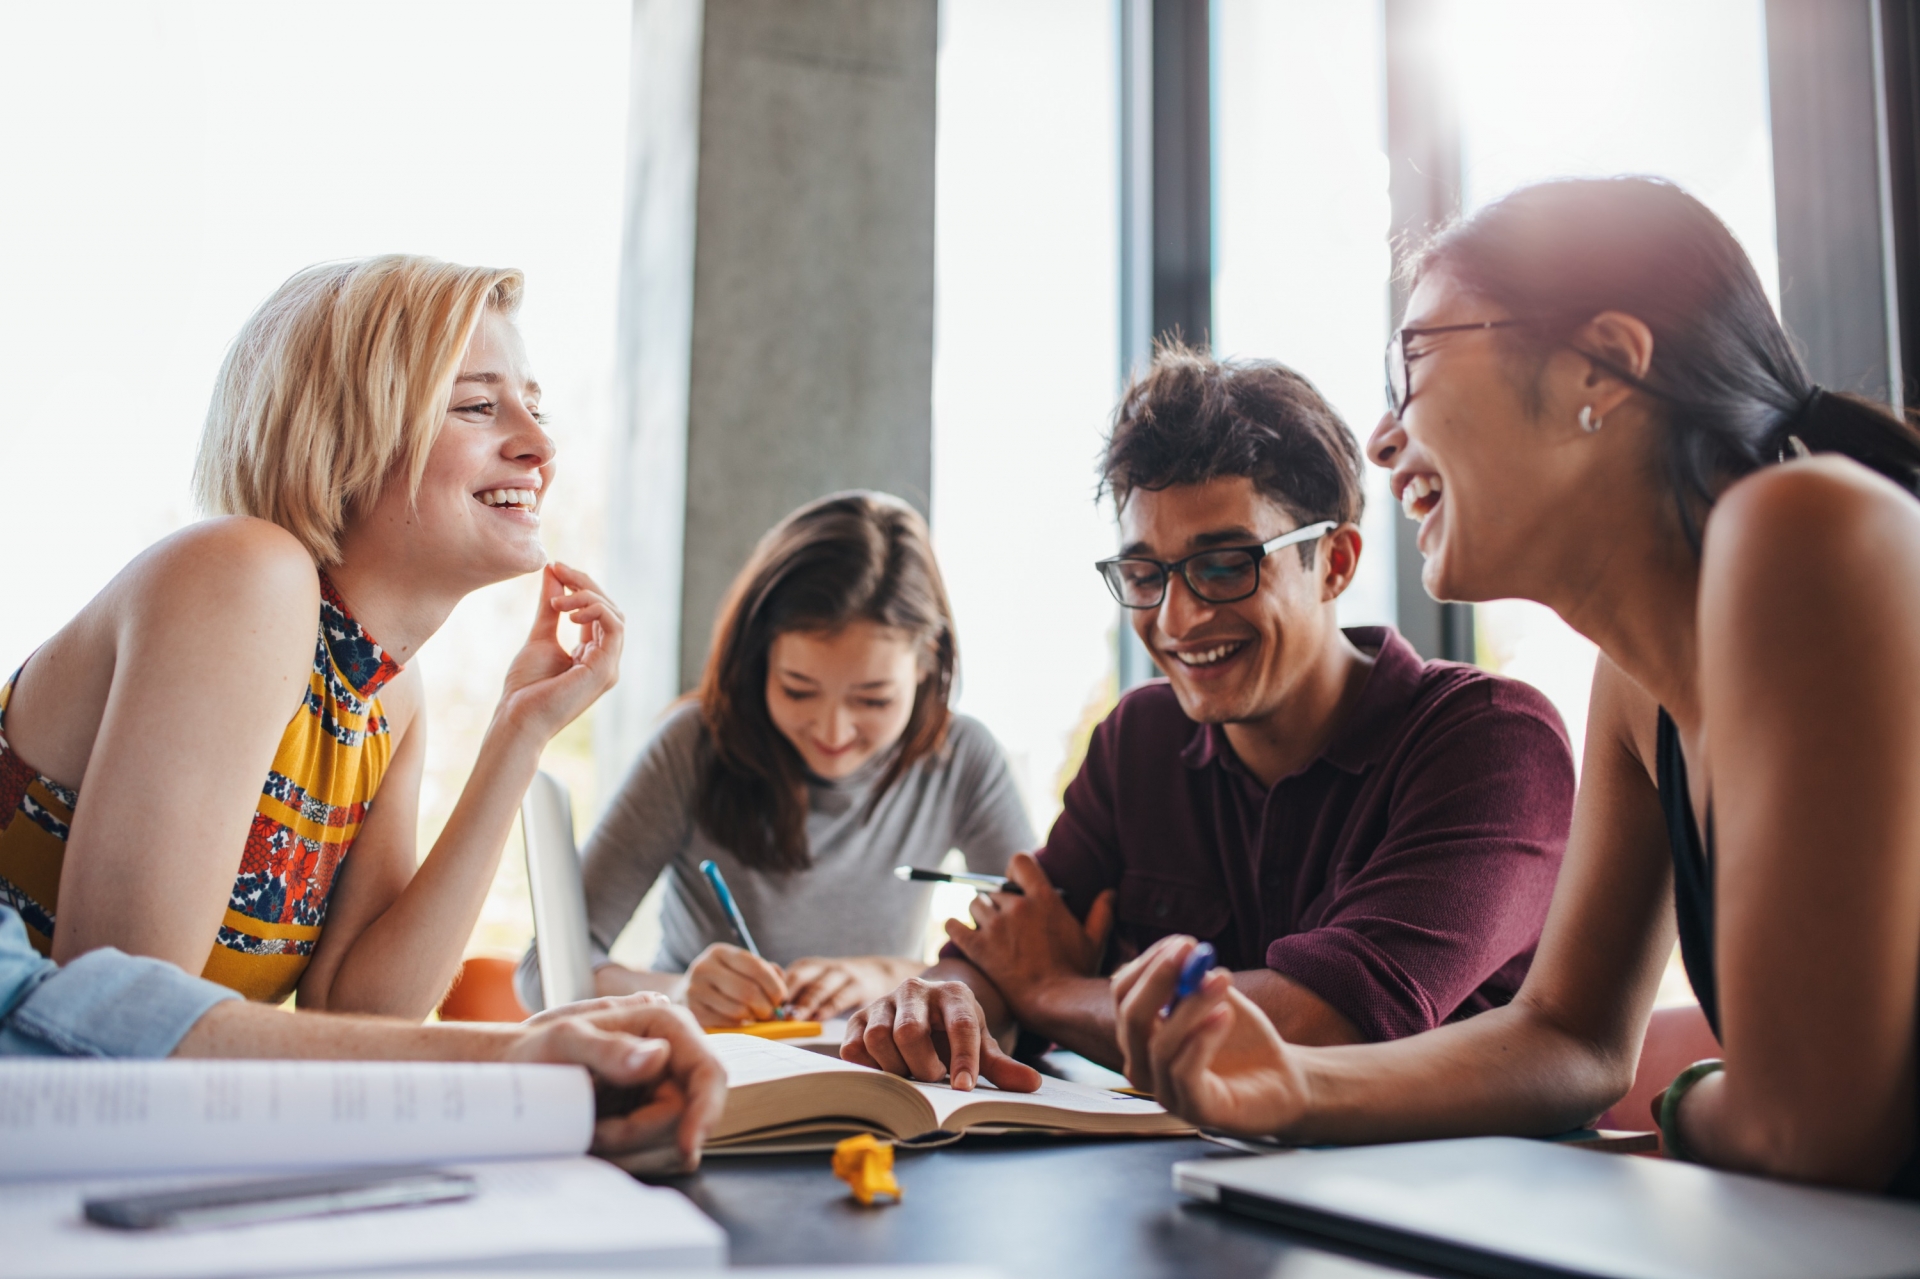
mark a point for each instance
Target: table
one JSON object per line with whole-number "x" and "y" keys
{"x": 1032, "y": 1207}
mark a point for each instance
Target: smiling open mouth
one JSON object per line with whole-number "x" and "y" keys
{"x": 1420, "y": 496}
{"x": 1209, "y": 656}
{"x": 513, "y": 499}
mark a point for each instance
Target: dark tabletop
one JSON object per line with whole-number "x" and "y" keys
{"x": 1041, "y": 1208}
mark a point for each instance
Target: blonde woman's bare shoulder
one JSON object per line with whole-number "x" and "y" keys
{"x": 236, "y": 573}
{"x": 256, "y": 542}
{"x": 235, "y": 598}
{"x": 245, "y": 554}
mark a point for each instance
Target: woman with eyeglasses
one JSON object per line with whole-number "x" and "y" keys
{"x": 1594, "y": 407}
{"x": 818, "y": 755}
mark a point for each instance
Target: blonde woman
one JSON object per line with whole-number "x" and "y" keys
{"x": 217, "y": 762}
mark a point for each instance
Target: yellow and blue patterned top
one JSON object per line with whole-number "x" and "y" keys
{"x": 331, "y": 758}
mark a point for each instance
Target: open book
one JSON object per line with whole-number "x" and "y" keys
{"x": 73, "y": 1129}
{"x": 782, "y": 1098}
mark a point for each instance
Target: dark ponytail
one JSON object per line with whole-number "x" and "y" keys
{"x": 1733, "y": 391}
{"x": 1863, "y": 431}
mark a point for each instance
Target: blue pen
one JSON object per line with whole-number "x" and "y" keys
{"x": 739, "y": 922}
{"x": 712, "y": 872}
{"x": 1200, "y": 961}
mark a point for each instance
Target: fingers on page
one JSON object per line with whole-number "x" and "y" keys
{"x": 878, "y": 1040}
{"x": 1003, "y": 1071}
{"x": 963, "y": 1042}
{"x": 913, "y": 1039}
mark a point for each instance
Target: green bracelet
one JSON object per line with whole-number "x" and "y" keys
{"x": 1666, "y": 1106}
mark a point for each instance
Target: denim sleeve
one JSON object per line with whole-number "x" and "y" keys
{"x": 103, "y": 1004}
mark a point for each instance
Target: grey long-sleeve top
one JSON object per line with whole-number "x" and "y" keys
{"x": 846, "y": 903}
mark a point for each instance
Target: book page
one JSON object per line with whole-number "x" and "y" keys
{"x": 773, "y": 1084}
{"x": 750, "y": 1059}
{"x": 1057, "y": 1094}
{"x": 65, "y": 1118}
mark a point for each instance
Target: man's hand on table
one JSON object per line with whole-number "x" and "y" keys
{"x": 1028, "y": 944}
{"x": 927, "y": 1030}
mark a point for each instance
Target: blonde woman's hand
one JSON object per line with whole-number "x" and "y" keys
{"x": 548, "y": 687}
{"x": 1216, "y": 1061}
{"x": 727, "y": 986}
{"x": 825, "y": 988}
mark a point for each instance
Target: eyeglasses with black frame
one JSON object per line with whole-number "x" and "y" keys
{"x": 1224, "y": 575}
{"x": 1400, "y": 370}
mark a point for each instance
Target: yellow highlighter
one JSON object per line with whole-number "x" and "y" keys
{"x": 771, "y": 1029}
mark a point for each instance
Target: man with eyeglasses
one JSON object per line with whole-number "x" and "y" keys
{"x": 1369, "y": 841}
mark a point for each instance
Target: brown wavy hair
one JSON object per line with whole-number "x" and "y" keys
{"x": 850, "y": 557}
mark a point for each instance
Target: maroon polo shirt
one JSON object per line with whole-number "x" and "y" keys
{"x": 1402, "y": 876}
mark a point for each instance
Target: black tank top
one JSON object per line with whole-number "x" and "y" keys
{"x": 1693, "y": 900}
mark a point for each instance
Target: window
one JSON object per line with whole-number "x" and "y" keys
{"x": 1685, "y": 97}
{"x": 1301, "y": 259}
{"x": 1026, "y": 368}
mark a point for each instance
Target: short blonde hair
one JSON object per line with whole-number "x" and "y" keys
{"x": 339, "y": 381}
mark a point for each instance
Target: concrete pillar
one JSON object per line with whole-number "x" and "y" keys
{"x": 777, "y": 309}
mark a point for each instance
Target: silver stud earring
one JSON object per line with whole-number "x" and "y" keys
{"x": 1588, "y": 422}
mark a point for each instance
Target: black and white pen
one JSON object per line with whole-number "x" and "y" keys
{"x": 984, "y": 883}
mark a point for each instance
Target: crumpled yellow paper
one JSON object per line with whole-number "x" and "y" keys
{"x": 866, "y": 1165}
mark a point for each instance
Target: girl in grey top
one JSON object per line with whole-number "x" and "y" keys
{"x": 818, "y": 755}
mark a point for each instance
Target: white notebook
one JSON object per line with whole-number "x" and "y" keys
{"x": 74, "y": 1129}
{"x": 561, "y": 1213}
{"x": 65, "y": 1118}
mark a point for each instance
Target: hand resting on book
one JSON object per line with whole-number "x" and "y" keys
{"x": 655, "y": 1079}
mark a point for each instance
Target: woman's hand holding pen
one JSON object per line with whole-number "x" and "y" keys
{"x": 1213, "y": 1059}
{"x": 729, "y": 986}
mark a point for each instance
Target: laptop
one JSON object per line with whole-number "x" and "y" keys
{"x": 1505, "y": 1207}
{"x": 560, "y": 935}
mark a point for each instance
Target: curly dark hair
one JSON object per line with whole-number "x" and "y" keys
{"x": 1191, "y": 418}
